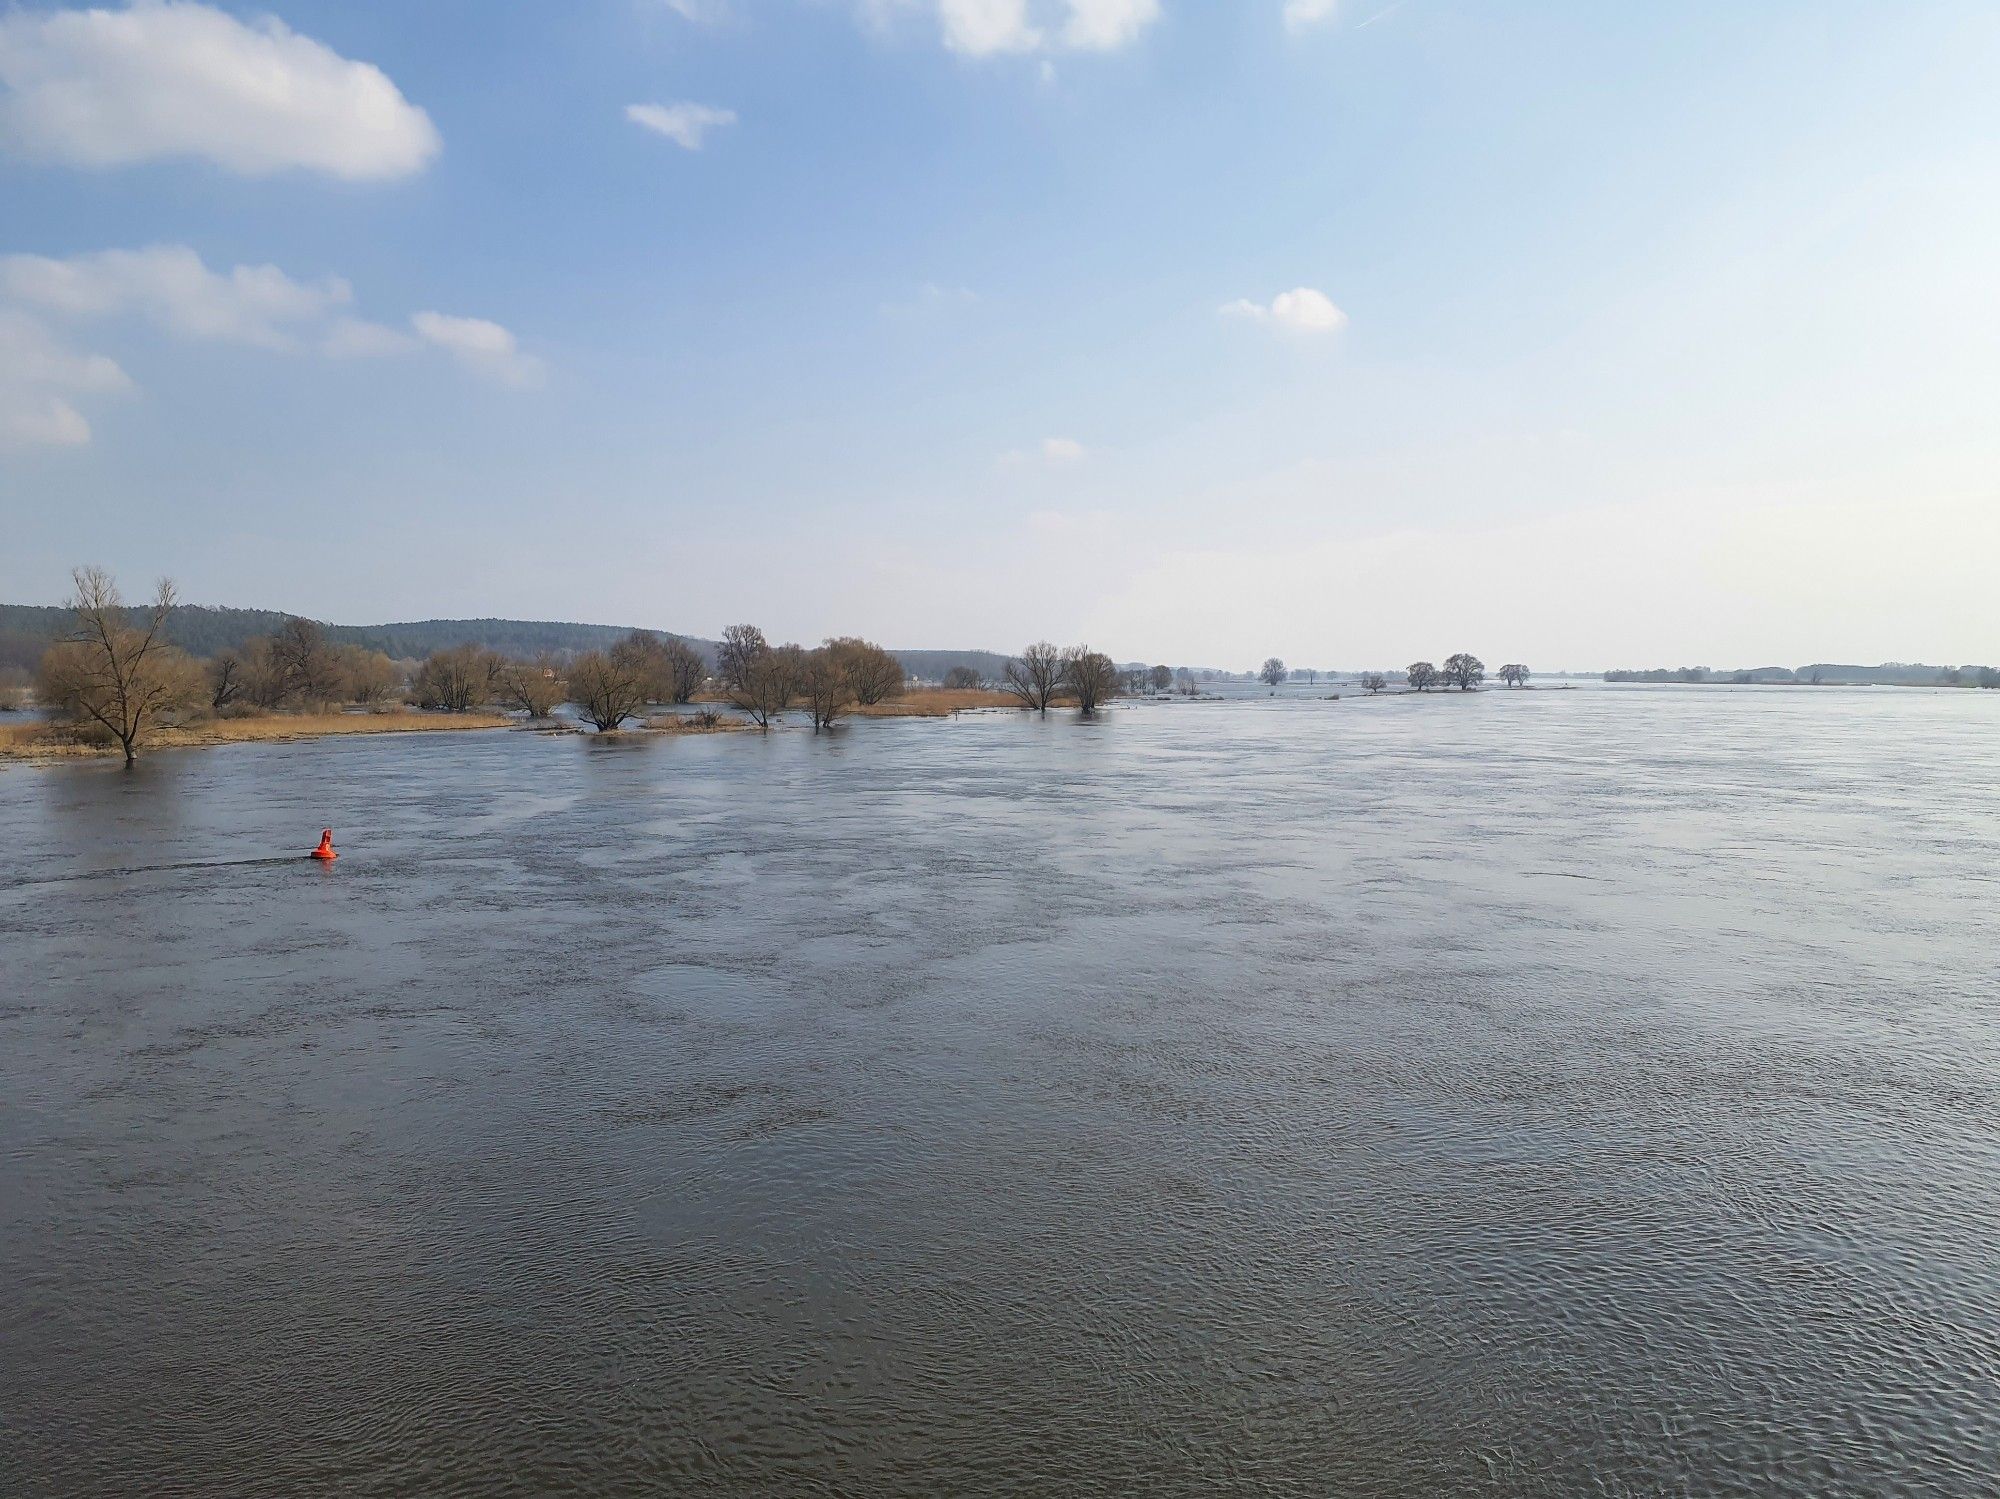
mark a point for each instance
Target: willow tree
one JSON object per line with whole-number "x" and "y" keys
{"x": 123, "y": 677}
{"x": 1091, "y": 677}
{"x": 1464, "y": 671}
{"x": 608, "y": 687}
{"x": 1036, "y": 676}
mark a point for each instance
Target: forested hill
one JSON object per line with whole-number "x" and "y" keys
{"x": 27, "y": 629}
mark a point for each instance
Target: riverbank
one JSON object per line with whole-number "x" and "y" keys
{"x": 41, "y": 741}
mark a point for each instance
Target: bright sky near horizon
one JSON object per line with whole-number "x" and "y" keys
{"x": 1573, "y": 333}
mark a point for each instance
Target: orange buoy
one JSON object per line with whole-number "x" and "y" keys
{"x": 325, "y": 849}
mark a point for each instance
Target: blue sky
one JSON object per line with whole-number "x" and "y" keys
{"x": 1578, "y": 333}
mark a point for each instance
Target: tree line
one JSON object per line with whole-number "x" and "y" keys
{"x": 1462, "y": 670}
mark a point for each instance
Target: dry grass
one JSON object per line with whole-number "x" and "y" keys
{"x": 45, "y": 741}
{"x": 937, "y": 702}
{"x": 676, "y": 723}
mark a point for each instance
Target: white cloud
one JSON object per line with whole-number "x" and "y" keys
{"x": 1052, "y": 452}
{"x": 485, "y": 348}
{"x": 1303, "y": 310}
{"x": 171, "y": 78}
{"x": 356, "y": 338}
{"x": 980, "y": 28}
{"x": 1300, "y": 14}
{"x": 37, "y": 374}
{"x": 999, "y": 28}
{"x": 168, "y": 284}
{"x": 1106, "y": 25}
{"x": 686, "y": 125}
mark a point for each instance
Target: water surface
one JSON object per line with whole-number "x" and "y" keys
{"x": 1536, "y": 1093}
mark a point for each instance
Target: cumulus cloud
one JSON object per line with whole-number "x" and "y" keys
{"x": 686, "y": 125}
{"x": 171, "y": 288}
{"x": 172, "y": 78}
{"x": 1303, "y": 310}
{"x": 38, "y": 373}
{"x": 1106, "y": 25}
{"x": 1300, "y": 14}
{"x": 998, "y": 28}
{"x": 980, "y": 28}
{"x": 482, "y": 347}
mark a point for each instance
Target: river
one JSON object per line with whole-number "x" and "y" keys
{"x": 1525, "y": 1093}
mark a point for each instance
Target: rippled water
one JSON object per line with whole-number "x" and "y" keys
{"x": 1535, "y": 1093}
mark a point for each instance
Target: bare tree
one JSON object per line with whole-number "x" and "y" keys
{"x": 370, "y": 677}
{"x": 962, "y": 679}
{"x": 225, "y": 679}
{"x": 644, "y": 653}
{"x": 457, "y": 679}
{"x": 535, "y": 687}
{"x": 686, "y": 671}
{"x": 1160, "y": 678}
{"x": 1272, "y": 672}
{"x": 741, "y": 645}
{"x": 1374, "y": 681}
{"x": 872, "y": 673}
{"x": 1091, "y": 677}
{"x": 1464, "y": 671}
{"x": 827, "y": 683}
{"x": 1037, "y": 676}
{"x": 608, "y": 687}
{"x": 1311, "y": 674}
{"x": 1423, "y": 676}
{"x": 109, "y": 672}
{"x": 1514, "y": 674}
{"x": 1184, "y": 683}
{"x": 307, "y": 662}
{"x": 770, "y": 682}
{"x": 264, "y": 683}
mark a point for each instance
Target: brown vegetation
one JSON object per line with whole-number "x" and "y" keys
{"x": 57, "y": 741}
{"x": 938, "y": 702}
{"x": 119, "y": 678}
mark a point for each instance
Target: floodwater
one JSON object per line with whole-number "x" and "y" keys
{"x": 1532, "y": 1093}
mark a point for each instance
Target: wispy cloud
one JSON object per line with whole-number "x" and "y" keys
{"x": 1301, "y": 14}
{"x": 686, "y": 125}
{"x": 172, "y": 289}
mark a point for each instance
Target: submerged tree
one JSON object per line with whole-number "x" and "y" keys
{"x": 1272, "y": 672}
{"x": 125, "y": 678}
{"x": 1091, "y": 677}
{"x": 741, "y": 645}
{"x": 1464, "y": 671}
{"x": 770, "y": 680}
{"x": 608, "y": 687}
{"x": 1423, "y": 676}
{"x": 686, "y": 670}
{"x": 1037, "y": 676}
{"x": 1514, "y": 674}
{"x": 535, "y": 687}
{"x": 872, "y": 673}
{"x": 827, "y": 684}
